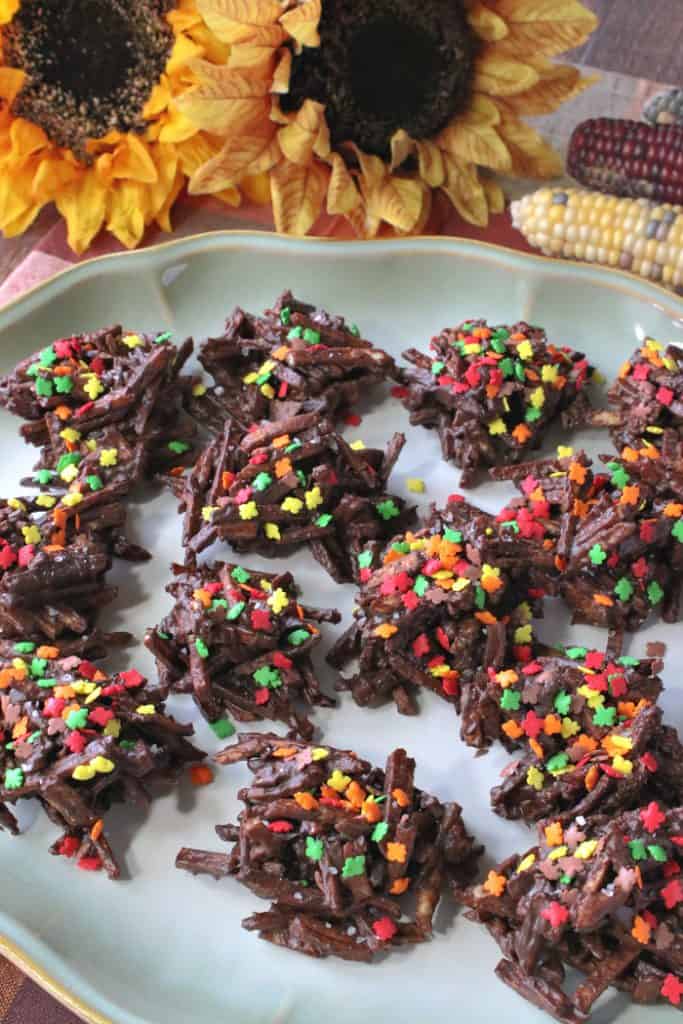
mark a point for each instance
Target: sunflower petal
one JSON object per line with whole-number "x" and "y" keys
{"x": 225, "y": 98}
{"x": 184, "y": 50}
{"x": 256, "y": 188}
{"x": 133, "y": 162}
{"x": 485, "y": 23}
{"x": 282, "y": 73}
{"x": 299, "y": 139}
{"x": 532, "y": 156}
{"x": 26, "y": 138}
{"x": 372, "y": 168}
{"x": 234, "y": 20}
{"x": 363, "y": 223}
{"x": 126, "y": 212}
{"x": 23, "y": 221}
{"x": 466, "y": 192}
{"x": 342, "y": 194}
{"x": 502, "y": 76}
{"x": 159, "y": 99}
{"x": 545, "y": 27}
{"x": 431, "y": 165}
{"x": 259, "y": 56}
{"x": 176, "y": 127}
{"x": 557, "y": 84}
{"x": 83, "y": 204}
{"x": 52, "y": 175}
{"x": 8, "y": 8}
{"x": 165, "y": 159}
{"x": 398, "y": 201}
{"x": 495, "y": 196}
{"x": 11, "y": 81}
{"x": 402, "y": 146}
{"x": 473, "y": 142}
{"x": 302, "y": 23}
{"x": 298, "y": 195}
{"x": 15, "y": 199}
{"x": 250, "y": 152}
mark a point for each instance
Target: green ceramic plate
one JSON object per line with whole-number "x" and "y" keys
{"x": 160, "y": 947}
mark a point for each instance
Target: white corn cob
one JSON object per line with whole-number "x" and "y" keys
{"x": 637, "y": 235}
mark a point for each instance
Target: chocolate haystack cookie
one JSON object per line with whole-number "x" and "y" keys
{"x": 239, "y": 641}
{"x": 555, "y": 697}
{"x": 295, "y": 358}
{"x": 609, "y": 542}
{"x": 90, "y": 381}
{"x": 78, "y": 740}
{"x": 432, "y": 611}
{"x": 52, "y": 577}
{"x": 591, "y": 732}
{"x": 293, "y": 482}
{"x": 646, "y": 409}
{"x": 334, "y": 844}
{"x": 492, "y": 392}
{"x": 605, "y": 902}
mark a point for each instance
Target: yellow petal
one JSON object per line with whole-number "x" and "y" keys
{"x": 557, "y": 83}
{"x": 342, "y": 194}
{"x": 212, "y": 48}
{"x": 159, "y": 99}
{"x": 52, "y": 175}
{"x": 372, "y": 168}
{"x": 257, "y": 188}
{"x": 132, "y": 161}
{"x": 495, "y": 196}
{"x": 302, "y": 23}
{"x": 23, "y": 221}
{"x": 398, "y": 201}
{"x": 11, "y": 81}
{"x": 126, "y": 212}
{"x": 250, "y": 152}
{"x": 402, "y": 146}
{"x": 475, "y": 143}
{"x": 234, "y": 20}
{"x": 8, "y": 8}
{"x": 306, "y": 132}
{"x": 165, "y": 159}
{"x": 298, "y": 196}
{"x": 260, "y": 57}
{"x": 282, "y": 73}
{"x": 163, "y": 216}
{"x": 26, "y": 138}
{"x": 545, "y": 27}
{"x": 431, "y": 165}
{"x": 465, "y": 191}
{"x": 83, "y": 205}
{"x": 225, "y": 98}
{"x": 184, "y": 49}
{"x": 532, "y": 156}
{"x": 502, "y": 76}
{"x": 182, "y": 20}
{"x": 485, "y": 23}
{"x": 176, "y": 127}
{"x": 15, "y": 195}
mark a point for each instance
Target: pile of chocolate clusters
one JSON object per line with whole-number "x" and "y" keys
{"x": 354, "y": 859}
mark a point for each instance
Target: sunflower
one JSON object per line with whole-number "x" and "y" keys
{"x": 89, "y": 117}
{"x": 364, "y": 108}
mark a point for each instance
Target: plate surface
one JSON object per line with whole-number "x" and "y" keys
{"x": 159, "y": 947}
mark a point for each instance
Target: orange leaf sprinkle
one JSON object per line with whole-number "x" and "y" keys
{"x": 640, "y": 930}
{"x": 371, "y": 810}
{"x": 495, "y": 883}
{"x": 577, "y": 473}
{"x": 491, "y": 583}
{"x": 397, "y": 852}
{"x": 280, "y": 353}
{"x": 399, "y": 886}
{"x": 21, "y": 728}
{"x": 64, "y": 692}
{"x": 554, "y": 834}
{"x": 385, "y": 630}
{"x": 285, "y": 752}
{"x": 537, "y": 748}
{"x": 306, "y": 800}
{"x": 624, "y": 369}
{"x": 560, "y": 563}
{"x": 629, "y": 454}
{"x": 282, "y": 441}
{"x": 45, "y": 651}
{"x": 650, "y": 452}
{"x": 203, "y": 596}
{"x": 592, "y": 776}
{"x": 201, "y": 775}
{"x": 486, "y": 617}
{"x": 630, "y": 495}
{"x": 62, "y": 412}
{"x": 521, "y": 433}
{"x": 587, "y": 743}
{"x": 673, "y": 510}
{"x": 581, "y": 508}
{"x": 552, "y": 725}
{"x": 401, "y": 797}
{"x": 227, "y": 479}
{"x": 282, "y": 468}
{"x": 512, "y": 729}
{"x": 508, "y": 677}
{"x": 603, "y": 599}
{"x": 96, "y": 830}
{"x": 355, "y": 794}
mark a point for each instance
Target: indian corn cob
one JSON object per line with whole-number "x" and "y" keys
{"x": 633, "y": 234}
{"x": 628, "y": 158}
{"x": 665, "y": 108}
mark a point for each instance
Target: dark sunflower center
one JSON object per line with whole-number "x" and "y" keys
{"x": 384, "y": 65}
{"x": 91, "y": 64}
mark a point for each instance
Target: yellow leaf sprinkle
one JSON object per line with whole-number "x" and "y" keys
{"x": 109, "y": 456}
{"x": 145, "y": 709}
{"x": 248, "y": 510}
{"x": 319, "y": 753}
{"x": 497, "y": 426}
{"x": 272, "y": 531}
{"x": 70, "y": 435}
{"x": 131, "y": 340}
{"x": 293, "y": 505}
{"x": 113, "y": 728}
{"x": 415, "y": 484}
{"x": 586, "y": 849}
{"x": 563, "y": 452}
{"x": 357, "y": 446}
{"x": 72, "y": 499}
{"x": 526, "y": 863}
{"x": 338, "y": 781}
{"x": 534, "y": 778}
{"x": 102, "y": 765}
{"x": 313, "y": 498}
{"x": 207, "y": 512}
{"x": 278, "y": 600}
{"x": 83, "y": 773}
